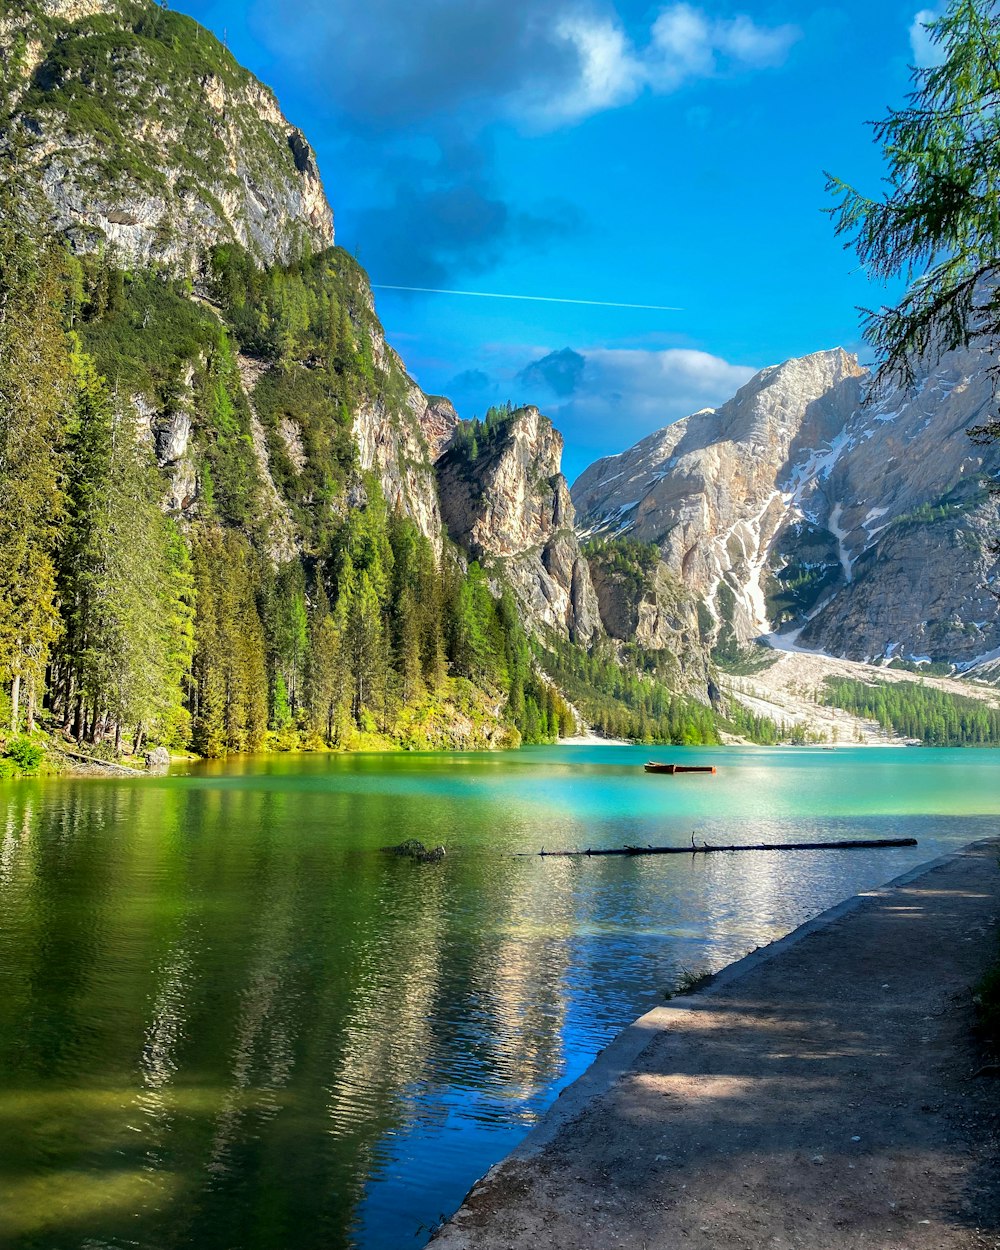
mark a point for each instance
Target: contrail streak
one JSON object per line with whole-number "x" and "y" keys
{"x": 538, "y": 299}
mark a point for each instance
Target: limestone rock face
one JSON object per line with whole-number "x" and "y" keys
{"x": 905, "y": 498}
{"x": 396, "y": 442}
{"x": 653, "y": 609}
{"x": 438, "y": 423}
{"x": 177, "y": 149}
{"x": 508, "y": 505}
{"x": 800, "y": 507}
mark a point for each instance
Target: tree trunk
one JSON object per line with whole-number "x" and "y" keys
{"x": 118, "y": 738}
{"x": 30, "y": 709}
{"x": 15, "y": 702}
{"x": 78, "y": 719}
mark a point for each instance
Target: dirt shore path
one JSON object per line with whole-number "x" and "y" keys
{"x": 820, "y": 1094}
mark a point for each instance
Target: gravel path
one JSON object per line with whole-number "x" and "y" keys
{"x": 820, "y": 1094}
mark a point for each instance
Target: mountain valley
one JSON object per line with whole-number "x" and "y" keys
{"x": 342, "y": 560}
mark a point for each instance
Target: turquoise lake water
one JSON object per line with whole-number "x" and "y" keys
{"x": 227, "y": 1019}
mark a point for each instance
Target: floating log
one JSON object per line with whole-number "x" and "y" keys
{"x": 670, "y": 769}
{"x": 705, "y": 848}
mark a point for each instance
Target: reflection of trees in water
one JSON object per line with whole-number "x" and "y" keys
{"x": 262, "y": 999}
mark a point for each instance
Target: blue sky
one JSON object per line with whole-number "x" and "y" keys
{"x": 597, "y": 150}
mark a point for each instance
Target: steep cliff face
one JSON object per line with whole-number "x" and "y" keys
{"x": 903, "y": 494}
{"x": 148, "y": 138}
{"x": 399, "y": 436}
{"x": 152, "y": 147}
{"x": 505, "y": 501}
{"x": 708, "y": 491}
{"x": 796, "y": 507}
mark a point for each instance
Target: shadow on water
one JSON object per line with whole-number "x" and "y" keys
{"x": 727, "y": 1112}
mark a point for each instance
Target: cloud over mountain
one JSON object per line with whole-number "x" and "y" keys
{"x": 420, "y": 89}
{"x": 606, "y": 398}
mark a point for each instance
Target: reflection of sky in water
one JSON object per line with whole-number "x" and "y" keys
{"x": 217, "y": 981}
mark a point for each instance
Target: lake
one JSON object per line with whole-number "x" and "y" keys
{"x": 228, "y": 1019}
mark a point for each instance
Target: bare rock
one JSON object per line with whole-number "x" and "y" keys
{"x": 508, "y": 505}
{"x": 858, "y": 528}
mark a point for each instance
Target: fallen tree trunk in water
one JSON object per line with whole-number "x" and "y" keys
{"x": 856, "y": 844}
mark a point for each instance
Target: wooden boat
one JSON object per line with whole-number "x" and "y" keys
{"x": 653, "y": 767}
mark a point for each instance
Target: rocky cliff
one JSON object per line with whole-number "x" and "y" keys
{"x": 152, "y": 147}
{"x": 149, "y": 139}
{"x": 800, "y": 509}
{"x": 505, "y": 501}
{"x": 400, "y": 439}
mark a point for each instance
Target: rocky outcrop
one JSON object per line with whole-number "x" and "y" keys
{"x": 652, "y": 609}
{"x": 904, "y": 495}
{"x": 396, "y": 439}
{"x": 505, "y": 501}
{"x": 799, "y": 509}
{"x": 438, "y": 424}
{"x": 148, "y": 139}
{"x": 708, "y": 490}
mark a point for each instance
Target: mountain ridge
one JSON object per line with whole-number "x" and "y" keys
{"x": 776, "y": 508}
{"x": 364, "y": 565}
{"x": 148, "y": 137}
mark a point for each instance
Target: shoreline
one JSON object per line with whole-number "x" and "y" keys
{"x": 756, "y": 1109}
{"x": 65, "y": 766}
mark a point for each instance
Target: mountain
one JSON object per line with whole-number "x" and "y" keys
{"x": 506, "y": 502}
{"x": 147, "y": 136}
{"x": 800, "y": 509}
{"x": 233, "y": 520}
{"x": 225, "y": 529}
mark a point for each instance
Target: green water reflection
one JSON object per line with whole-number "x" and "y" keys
{"x": 228, "y": 1020}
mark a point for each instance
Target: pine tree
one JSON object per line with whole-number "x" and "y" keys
{"x": 34, "y": 397}
{"x": 327, "y": 674}
{"x": 230, "y": 689}
{"x": 938, "y": 225}
{"x": 125, "y": 587}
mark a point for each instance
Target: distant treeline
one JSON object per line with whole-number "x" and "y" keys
{"x": 763, "y": 730}
{"x": 623, "y": 702}
{"x": 914, "y": 710}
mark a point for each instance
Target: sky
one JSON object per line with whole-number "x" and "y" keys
{"x": 665, "y": 155}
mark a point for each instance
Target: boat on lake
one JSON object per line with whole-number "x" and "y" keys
{"x": 653, "y": 767}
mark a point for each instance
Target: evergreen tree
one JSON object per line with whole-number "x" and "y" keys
{"x": 939, "y": 223}
{"x": 230, "y": 688}
{"x": 34, "y": 397}
{"x": 125, "y": 589}
{"x": 327, "y": 674}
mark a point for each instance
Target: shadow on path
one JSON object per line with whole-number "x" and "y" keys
{"x": 821, "y": 1099}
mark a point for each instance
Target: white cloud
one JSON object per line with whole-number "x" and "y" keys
{"x": 683, "y": 44}
{"x": 754, "y": 45}
{"x": 621, "y": 395}
{"x": 925, "y": 53}
{"x": 649, "y": 389}
{"x": 609, "y": 73}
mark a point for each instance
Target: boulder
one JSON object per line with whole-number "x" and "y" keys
{"x": 158, "y": 759}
